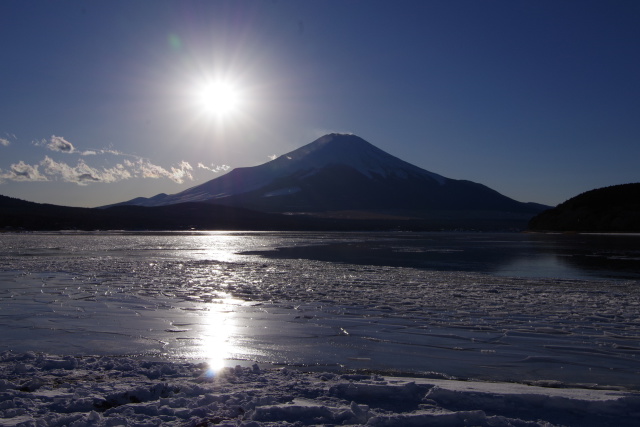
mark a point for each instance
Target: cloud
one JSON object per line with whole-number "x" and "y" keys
{"x": 22, "y": 172}
{"x": 5, "y": 142}
{"x": 214, "y": 168}
{"x": 272, "y": 157}
{"x": 82, "y": 174}
{"x": 58, "y": 143}
{"x": 116, "y": 153}
{"x": 146, "y": 169}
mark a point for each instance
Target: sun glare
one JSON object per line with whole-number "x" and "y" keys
{"x": 219, "y": 98}
{"x": 219, "y": 332}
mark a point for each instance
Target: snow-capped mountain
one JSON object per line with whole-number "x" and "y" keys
{"x": 340, "y": 172}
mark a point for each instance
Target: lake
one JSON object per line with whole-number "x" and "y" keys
{"x": 494, "y": 306}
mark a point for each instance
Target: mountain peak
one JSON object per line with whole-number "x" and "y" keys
{"x": 340, "y": 149}
{"x": 338, "y": 143}
{"x": 339, "y": 138}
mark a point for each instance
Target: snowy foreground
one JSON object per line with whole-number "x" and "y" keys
{"x": 40, "y": 390}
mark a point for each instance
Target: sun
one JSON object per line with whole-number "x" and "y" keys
{"x": 219, "y": 98}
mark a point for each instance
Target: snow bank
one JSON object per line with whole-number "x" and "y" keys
{"x": 45, "y": 390}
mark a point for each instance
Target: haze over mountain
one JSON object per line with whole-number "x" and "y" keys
{"x": 343, "y": 172}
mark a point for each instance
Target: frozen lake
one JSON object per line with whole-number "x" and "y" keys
{"x": 510, "y": 307}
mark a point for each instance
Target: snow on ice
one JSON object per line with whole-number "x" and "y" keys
{"x": 43, "y": 390}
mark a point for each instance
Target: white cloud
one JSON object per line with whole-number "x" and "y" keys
{"x": 117, "y": 173}
{"x": 149, "y": 170}
{"x": 83, "y": 174}
{"x": 5, "y": 142}
{"x": 22, "y": 172}
{"x": 272, "y": 157}
{"x": 144, "y": 169}
{"x": 58, "y": 143}
{"x": 117, "y": 153}
{"x": 178, "y": 174}
{"x": 181, "y": 173}
{"x": 214, "y": 168}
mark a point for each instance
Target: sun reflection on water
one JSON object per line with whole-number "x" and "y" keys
{"x": 221, "y": 248}
{"x": 219, "y": 332}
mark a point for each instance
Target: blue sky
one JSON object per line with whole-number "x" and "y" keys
{"x": 100, "y": 101}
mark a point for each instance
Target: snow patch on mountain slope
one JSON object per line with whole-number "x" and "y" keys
{"x": 354, "y": 152}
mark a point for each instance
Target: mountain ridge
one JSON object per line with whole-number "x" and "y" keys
{"x": 21, "y": 215}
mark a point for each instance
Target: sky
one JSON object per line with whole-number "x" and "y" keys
{"x": 103, "y": 101}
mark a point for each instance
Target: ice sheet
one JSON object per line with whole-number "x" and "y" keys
{"x": 164, "y": 298}
{"x": 100, "y": 328}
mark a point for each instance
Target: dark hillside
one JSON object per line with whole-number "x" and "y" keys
{"x": 18, "y": 214}
{"x": 608, "y": 209}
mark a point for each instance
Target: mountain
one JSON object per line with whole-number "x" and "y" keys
{"x": 338, "y": 182}
{"x": 608, "y": 209}
{"x": 343, "y": 172}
